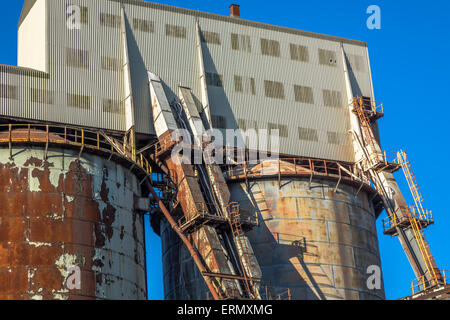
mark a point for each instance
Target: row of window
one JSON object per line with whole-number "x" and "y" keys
{"x": 72, "y": 100}
{"x": 273, "y": 89}
{"x": 76, "y": 58}
{"x": 238, "y": 41}
{"x": 80, "y": 59}
{"x": 305, "y": 134}
{"x": 117, "y": 107}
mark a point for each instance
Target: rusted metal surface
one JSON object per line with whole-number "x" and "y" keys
{"x": 313, "y": 238}
{"x": 59, "y": 213}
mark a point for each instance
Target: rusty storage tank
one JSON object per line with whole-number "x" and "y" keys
{"x": 61, "y": 213}
{"x": 316, "y": 237}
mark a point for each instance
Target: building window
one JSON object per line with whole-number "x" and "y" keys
{"x": 270, "y": 48}
{"x": 175, "y": 31}
{"x": 210, "y": 37}
{"x": 143, "y": 25}
{"x": 299, "y": 53}
{"x": 8, "y": 92}
{"x": 307, "y": 134}
{"x": 303, "y": 94}
{"x": 337, "y": 138}
{"x": 112, "y": 64}
{"x": 274, "y": 89}
{"x": 214, "y": 79}
{"x": 241, "y": 42}
{"x": 42, "y": 96}
{"x": 356, "y": 63}
{"x": 77, "y": 101}
{"x": 113, "y": 106}
{"x": 219, "y": 122}
{"x": 327, "y": 57}
{"x": 110, "y": 20}
{"x": 332, "y": 98}
{"x": 77, "y": 58}
{"x": 244, "y": 85}
{"x": 282, "y": 129}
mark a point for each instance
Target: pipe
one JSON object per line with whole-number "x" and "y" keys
{"x": 185, "y": 240}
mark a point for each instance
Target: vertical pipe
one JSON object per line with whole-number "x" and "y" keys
{"x": 185, "y": 240}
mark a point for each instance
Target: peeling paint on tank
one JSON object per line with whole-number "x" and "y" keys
{"x": 64, "y": 223}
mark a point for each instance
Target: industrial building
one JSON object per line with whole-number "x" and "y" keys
{"x": 86, "y": 133}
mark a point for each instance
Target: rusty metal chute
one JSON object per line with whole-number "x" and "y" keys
{"x": 213, "y": 235}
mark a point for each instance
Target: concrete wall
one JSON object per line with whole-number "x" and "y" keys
{"x": 59, "y": 213}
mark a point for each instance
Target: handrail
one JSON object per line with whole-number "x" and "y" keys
{"x": 425, "y": 216}
{"x": 421, "y": 283}
{"x": 375, "y": 106}
{"x": 66, "y": 135}
{"x": 296, "y": 166}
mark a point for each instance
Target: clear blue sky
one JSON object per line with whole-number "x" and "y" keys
{"x": 411, "y": 74}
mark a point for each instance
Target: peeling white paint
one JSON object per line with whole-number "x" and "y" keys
{"x": 97, "y": 256}
{"x": 64, "y": 262}
{"x": 31, "y": 273}
{"x": 55, "y": 216}
{"x": 33, "y": 183}
{"x": 120, "y": 272}
{"x": 39, "y": 244}
{"x": 60, "y": 296}
{"x": 36, "y": 243}
{"x": 36, "y": 297}
{"x": 54, "y": 177}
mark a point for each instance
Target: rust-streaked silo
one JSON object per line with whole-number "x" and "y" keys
{"x": 315, "y": 239}
{"x": 63, "y": 212}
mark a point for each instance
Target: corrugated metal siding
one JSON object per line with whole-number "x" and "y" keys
{"x": 175, "y": 61}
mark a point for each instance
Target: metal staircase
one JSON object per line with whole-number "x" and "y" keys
{"x": 209, "y": 225}
{"x": 244, "y": 255}
{"x": 416, "y": 219}
{"x": 405, "y": 222}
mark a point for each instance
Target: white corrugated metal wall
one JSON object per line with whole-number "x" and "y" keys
{"x": 175, "y": 61}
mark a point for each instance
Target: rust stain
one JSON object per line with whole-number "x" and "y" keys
{"x": 41, "y": 224}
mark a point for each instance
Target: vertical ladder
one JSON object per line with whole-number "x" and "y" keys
{"x": 421, "y": 214}
{"x": 411, "y": 234}
{"x": 237, "y": 232}
{"x": 374, "y": 151}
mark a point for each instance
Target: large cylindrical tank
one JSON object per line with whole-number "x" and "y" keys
{"x": 316, "y": 238}
{"x": 61, "y": 214}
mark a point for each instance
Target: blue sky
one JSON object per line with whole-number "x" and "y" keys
{"x": 411, "y": 75}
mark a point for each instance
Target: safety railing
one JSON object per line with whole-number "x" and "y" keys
{"x": 267, "y": 291}
{"x": 295, "y": 166}
{"x": 424, "y": 218}
{"x": 200, "y": 212}
{"x": 422, "y": 283}
{"x": 72, "y": 136}
{"x": 369, "y": 105}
